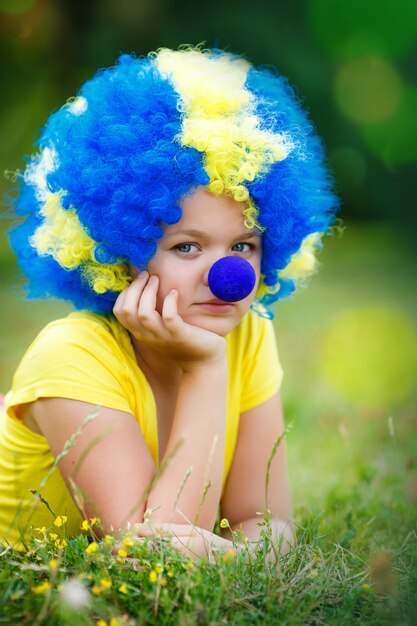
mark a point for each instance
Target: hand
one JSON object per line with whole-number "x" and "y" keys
{"x": 188, "y": 346}
{"x": 190, "y": 540}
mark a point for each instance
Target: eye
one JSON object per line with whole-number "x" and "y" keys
{"x": 185, "y": 248}
{"x": 250, "y": 246}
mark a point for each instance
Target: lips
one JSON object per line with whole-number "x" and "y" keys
{"x": 214, "y": 301}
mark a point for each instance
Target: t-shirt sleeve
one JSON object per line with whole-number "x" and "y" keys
{"x": 74, "y": 359}
{"x": 261, "y": 369}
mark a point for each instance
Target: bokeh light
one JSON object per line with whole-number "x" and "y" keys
{"x": 369, "y": 356}
{"x": 368, "y": 90}
{"x": 395, "y": 139}
{"x": 16, "y": 7}
{"x": 25, "y": 31}
{"x": 357, "y": 28}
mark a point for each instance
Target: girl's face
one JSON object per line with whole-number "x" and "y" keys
{"x": 211, "y": 227}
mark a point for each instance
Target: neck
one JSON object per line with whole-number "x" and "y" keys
{"x": 158, "y": 368}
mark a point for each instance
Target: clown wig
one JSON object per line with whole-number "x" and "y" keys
{"x": 114, "y": 163}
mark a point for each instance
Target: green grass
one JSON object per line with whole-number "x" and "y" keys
{"x": 355, "y": 562}
{"x": 352, "y": 462}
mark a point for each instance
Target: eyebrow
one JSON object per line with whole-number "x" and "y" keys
{"x": 199, "y": 233}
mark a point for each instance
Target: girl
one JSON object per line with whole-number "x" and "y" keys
{"x": 161, "y": 166}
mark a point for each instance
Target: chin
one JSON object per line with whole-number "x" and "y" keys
{"x": 221, "y": 325}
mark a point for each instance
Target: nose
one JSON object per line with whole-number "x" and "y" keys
{"x": 231, "y": 278}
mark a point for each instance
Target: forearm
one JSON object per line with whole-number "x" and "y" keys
{"x": 202, "y": 544}
{"x": 251, "y": 529}
{"x": 199, "y": 427}
{"x": 189, "y": 540}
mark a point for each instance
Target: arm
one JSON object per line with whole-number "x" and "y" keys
{"x": 199, "y": 423}
{"x": 245, "y": 490}
{"x": 109, "y": 463}
{"x": 190, "y": 485}
{"x": 112, "y": 467}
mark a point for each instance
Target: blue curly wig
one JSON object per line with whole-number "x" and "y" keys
{"x": 115, "y": 162}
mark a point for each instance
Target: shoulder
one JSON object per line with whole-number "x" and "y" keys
{"x": 81, "y": 357}
{"x": 76, "y": 346}
{"x": 251, "y": 331}
{"x": 81, "y": 330}
{"x": 78, "y": 321}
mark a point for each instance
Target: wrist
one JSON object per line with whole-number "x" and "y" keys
{"x": 215, "y": 364}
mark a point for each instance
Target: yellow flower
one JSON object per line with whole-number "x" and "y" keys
{"x": 153, "y": 576}
{"x": 84, "y": 526}
{"x": 53, "y": 535}
{"x": 93, "y": 520}
{"x": 123, "y": 589}
{"x": 41, "y": 588}
{"x": 114, "y": 622}
{"x": 127, "y": 542}
{"x": 163, "y": 581}
{"x": 158, "y": 568}
{"x": 224, "y": 523}
{"x": 96, "y": 590}
{"x": 190, "y": 565}
{"x": 60, "y": 544}
{"x": 170, "y": 573}
{"x": 122, "y": 553}
{"x": 53, "y": 563}
{"x": 105, "y": 583}
{"x": 108, "y": 540}
{"x": 92, "y": 548}
{"x": 366, "y": 587}
{"x": 40, "y": 530}
{"x": 60, "y": 520}
{"x": 230, "y": 554}
{"x": 101, "y": 622}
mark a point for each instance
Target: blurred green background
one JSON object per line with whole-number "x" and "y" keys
{"x": 349, "y": 342}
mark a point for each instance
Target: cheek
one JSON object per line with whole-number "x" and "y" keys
{"x": 257, "y": 267}
{"x": 169, "y": 278}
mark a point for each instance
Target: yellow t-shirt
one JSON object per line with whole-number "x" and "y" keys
{"x": 90, "y": 358}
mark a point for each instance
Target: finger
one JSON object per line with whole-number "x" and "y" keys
{"x": 147, "y": 313}
{"x": 152, "y": 529}
{"x": 170, "y": 305}
{"x": 118, "y": 305}
{"x": 157, "y": 528}
{"x": 127, "y": 302}
{"x": 191, "y": 549}
{"x": 120, "y": 300}
{"x": 134, "y": 293}
{"x": 170, "y": 316}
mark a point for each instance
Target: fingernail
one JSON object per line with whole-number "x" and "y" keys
{"x": 142, "y": 274}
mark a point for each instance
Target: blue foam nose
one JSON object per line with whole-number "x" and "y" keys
{"x": 231, "y": 278}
